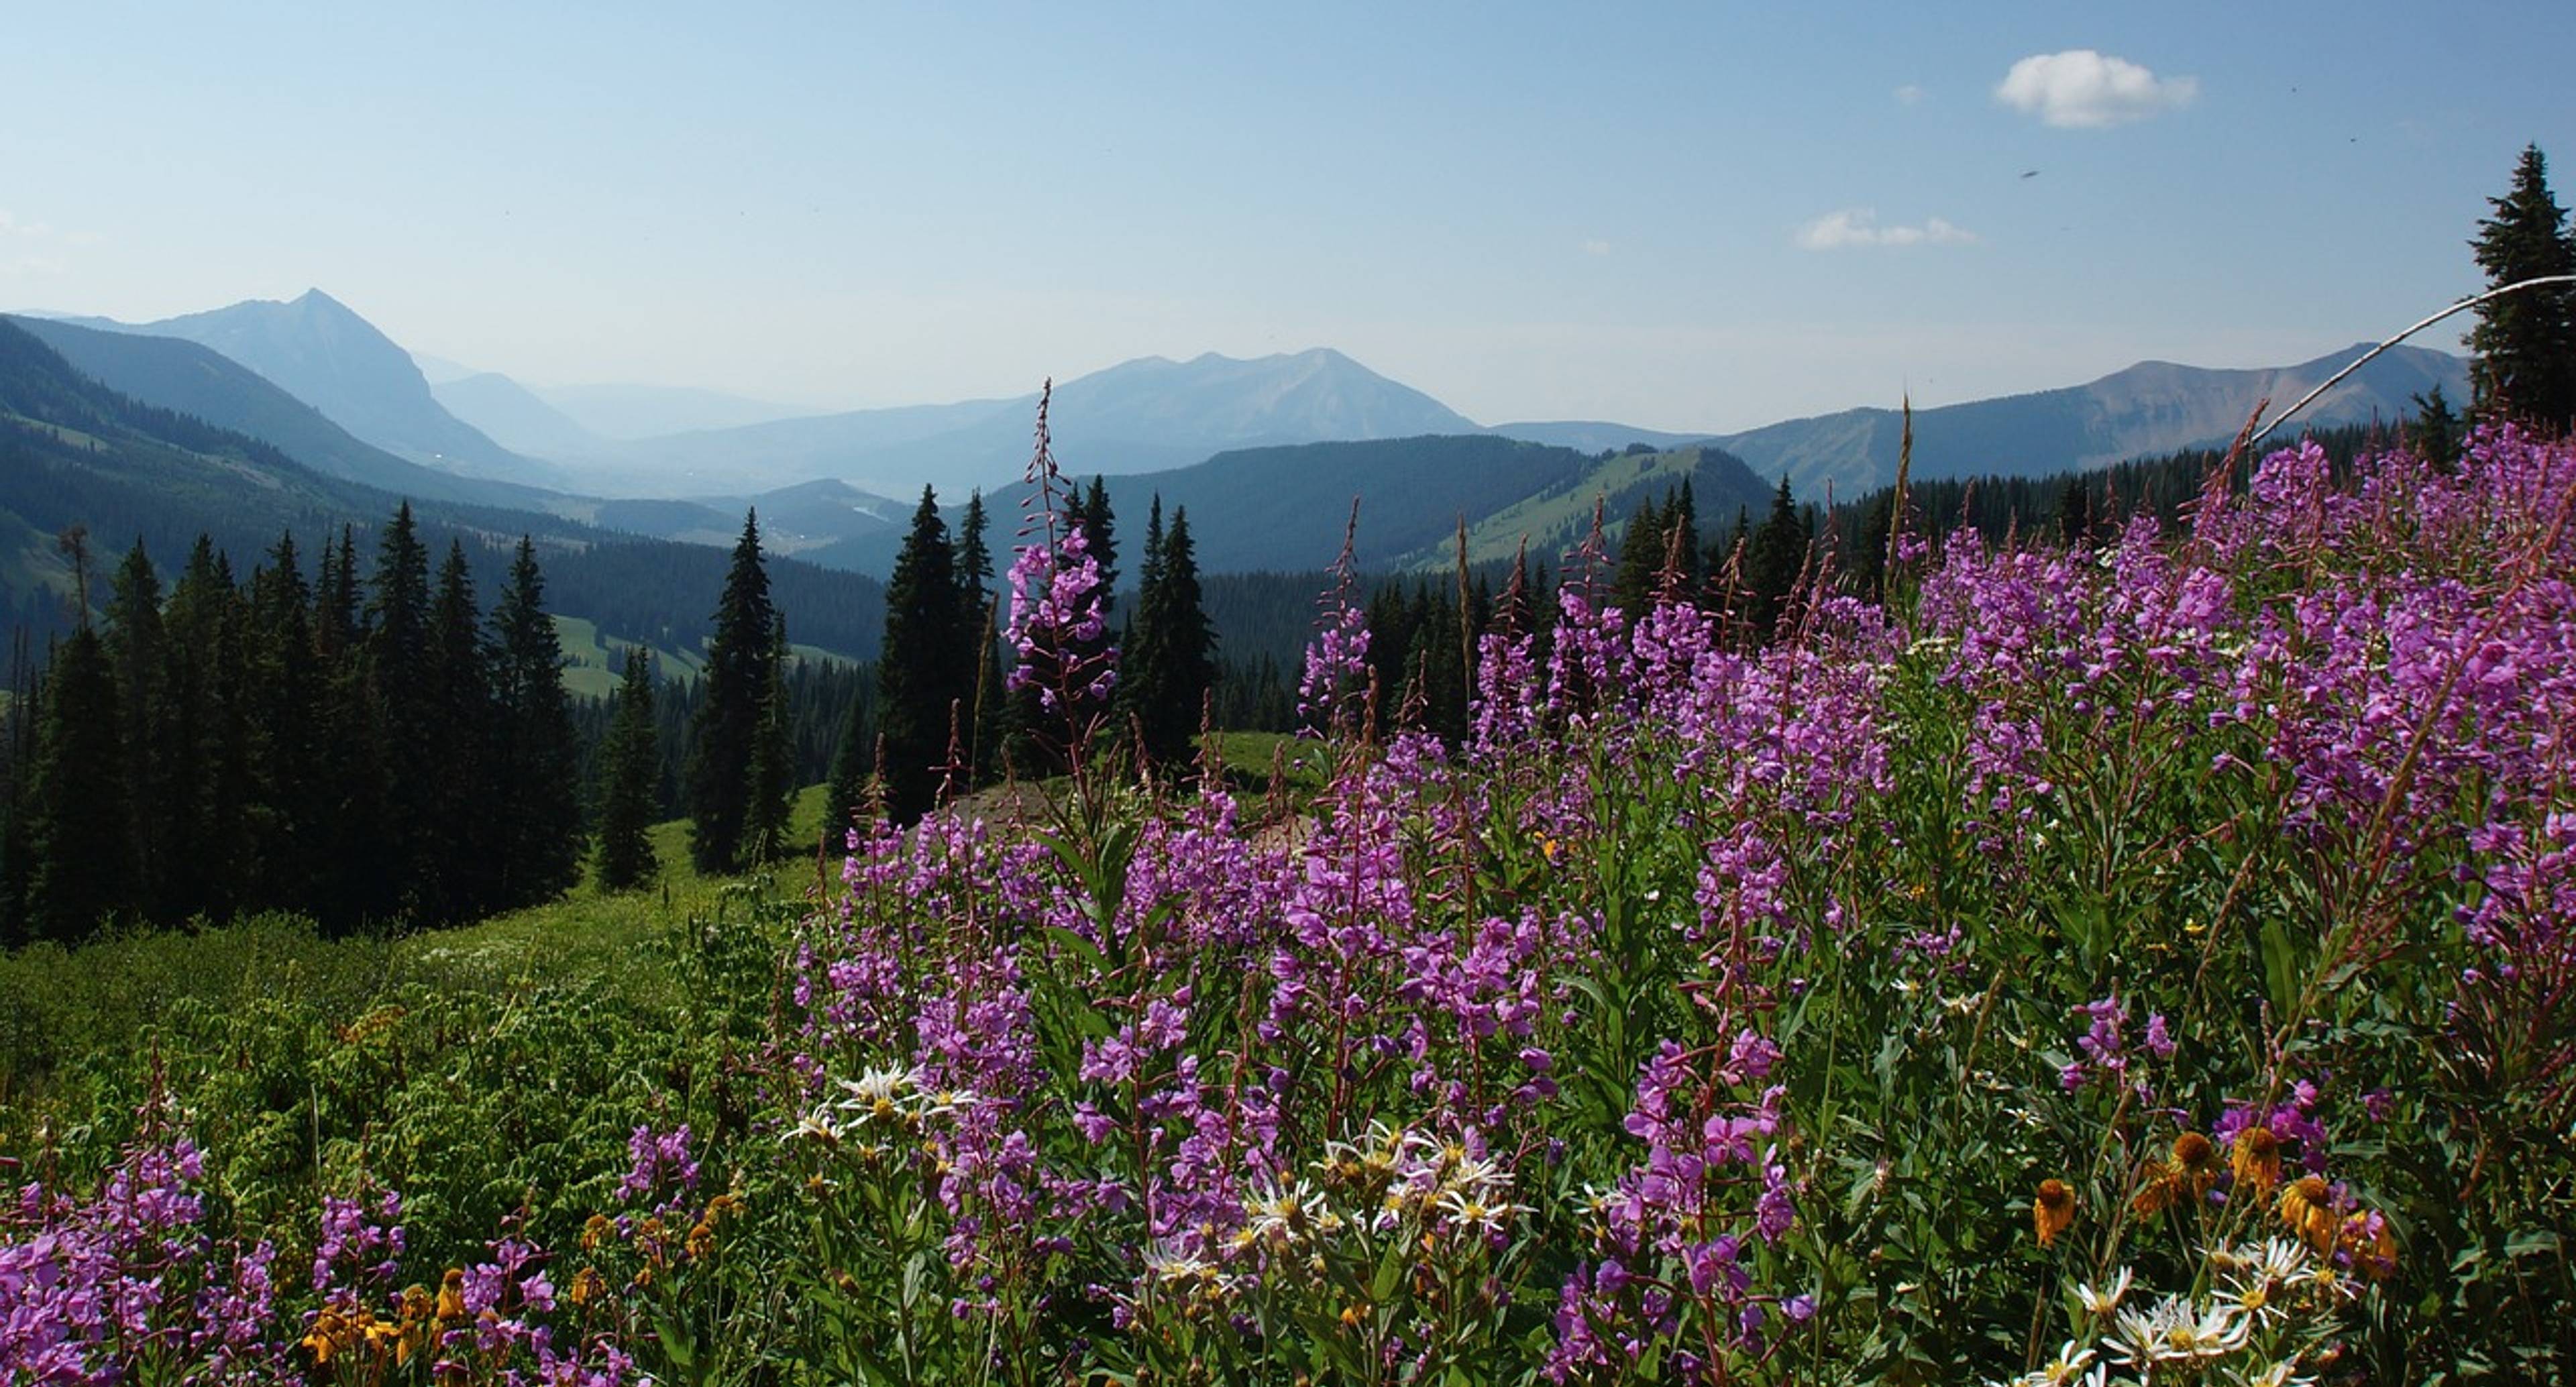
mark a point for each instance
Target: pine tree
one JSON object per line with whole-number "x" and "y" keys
{"x": 2435, "y": 433}
{"x": 1170, "y": 666}
{"x": 725, "y": 735}
{"x": 79, "y": 851}
{"x": 854, "y": 759}
{"x": 773, "y": 764}
{"x": 630, "y": 776}
{"x": 535, "y": 758}
{"x": 1140, "y": 645}
{"x": 922, "y": 674}
{"x": 139, "y": 653}
{"x": 292, "y": 770}
{"x": 214, "y": 761}
{"x": 358, "y": 840}
{"x": 1774, "y": 558}
{"x": 989, "y": 710}
{"x": 2525, "y": 343}
{"x": 457, "y": 866}
{"x": 1641, "y": 558}
{"x": 17, "y": 764}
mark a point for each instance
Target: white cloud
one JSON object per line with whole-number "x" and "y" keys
{"x": 1909, "y": 95}
{"x": 1596, "y": 247}
{"x": 1858, "y": 226}
{"x": 2080, "y": 89}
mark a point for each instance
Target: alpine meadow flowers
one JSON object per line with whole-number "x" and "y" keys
{"x": 2138, "y": 961}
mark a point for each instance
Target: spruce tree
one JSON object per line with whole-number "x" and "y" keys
{"x": 1774, "y": 558}
{"x": 2435, "y": 432}
{"x": 139, "y": 653}
{"x": 854, "y": 759}
{"x": 922, "y": 670}
{"x": 630, "y": 778}
{"x": 1641, "y": 558}
{"x": 457, "y": 863}
{"x": 725, "y": 735}
{"x": 1140, "y": 647}
{"x": 988, "y": 711}
{"x": 17, "y": 763}
{"x": 214, "y": 762}
{"x": 292, "y": 771}
{"x": 773, "y": 764}
{"x": 536, "y": 761}
{"x": 2525, "y": 343}
{"x": 78, "y": 845}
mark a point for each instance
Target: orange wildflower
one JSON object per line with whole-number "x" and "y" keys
{"x": 2257, "y": 1161}
{"x": 2306, "y": 1206}
{"x": 2053, "y": 1211}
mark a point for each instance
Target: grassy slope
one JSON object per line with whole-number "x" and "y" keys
{"x": 63, "y": 1009}
{"x": 594, "y": 663}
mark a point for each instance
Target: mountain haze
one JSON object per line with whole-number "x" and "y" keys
{"x": 176, "y": 374}
{"x": 322, "y": 353}
{"x": 1138, "y": 416}
{"x": 76, "y": 452}
{"x": 1286, "y": 508}
{"x": 2151, "y": 408}
{"x": 514, "y": 416}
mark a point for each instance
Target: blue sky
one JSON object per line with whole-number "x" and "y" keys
{"x": 1684, "y": 216}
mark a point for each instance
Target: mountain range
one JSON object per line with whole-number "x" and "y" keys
{"x": 1250, "y": 446}
{"x": 2152, "y": 408}
{"x": 75, "y": 452}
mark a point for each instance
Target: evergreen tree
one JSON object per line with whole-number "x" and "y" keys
{"x": 213, "y": 772}
{"x": 1641, "y": 558}
{"x": 2436, "y": 430}
{"x": 336, "y": 623}
{"x": 1170, "y": 665}
{"x": 726, "y": 733}
{"x": 1100, "y": 539}
{"x": 2525, "y": 343}
{"x": 1774, "y": 558}
{"x": 630, "y": 772}
{"x": 922, "y": 670}
{"x": 773, "y": 764}
{"x": 18, "y": 746}
{"x": 540, "y": 805}
{"x": 139, "y": 654}
{"x": 357, "y": 839}
{"x": 457, "y": 866}
{"x": 989, "y": 711}
{"x": 79, "y": 851}
{"x": 1139, "y": 681}
{"x": 854, "y": 759}
{"x": 292, "y": 773}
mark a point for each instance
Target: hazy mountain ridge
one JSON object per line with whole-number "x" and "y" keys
{"x": 1139, "y": 416}
{"x": 2151, "y": 408}
{"x": 514, "y": 416}
{"x": 1286, "y": 508}
{"x": 74, "y": 451}
{"x": 316, "y": 349}
{"x": 177, "y": 374}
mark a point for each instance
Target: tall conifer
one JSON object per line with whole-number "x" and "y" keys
{"x": 139, "y": 653}
{"x": 457, "y": 863}
{"x": 725, "y": 735}
{"x": 923, "y": 671}
{"x": 536, "y": 761}
{"x": 630, "y": 774}
{"x": 79, "y": 849}
{"x": 2525, "y": 343}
